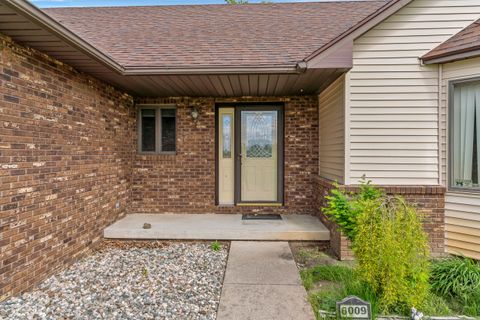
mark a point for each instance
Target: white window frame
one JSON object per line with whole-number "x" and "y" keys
{"x": 158, "y": 129}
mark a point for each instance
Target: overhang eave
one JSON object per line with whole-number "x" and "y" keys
{"x": 26, "y": 24}
{"x": 310, "y": 82}
{"x": 452, "y": 57}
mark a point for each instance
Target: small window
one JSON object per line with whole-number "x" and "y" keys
{"x": 157, "y": 129}
{"x": 465, "y": 136}
{"x": 227, "y": 136}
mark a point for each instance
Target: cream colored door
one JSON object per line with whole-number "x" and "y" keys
{"x": 226, "y": 160}
{"x": 259, "y": 156}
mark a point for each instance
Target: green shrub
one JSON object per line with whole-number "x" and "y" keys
{"x": 388, "y": 242}
{"x": 343, "y": 208}
{"x": 340, "y": 210}
{"x": 458, "y": 279}
{"x": 392, "y": 253}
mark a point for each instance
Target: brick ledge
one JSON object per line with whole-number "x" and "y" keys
{"x": 395, "y": 189}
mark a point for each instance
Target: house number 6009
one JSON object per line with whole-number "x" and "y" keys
{"x": 354, "y": 311}
{"x": 354, "y": 308}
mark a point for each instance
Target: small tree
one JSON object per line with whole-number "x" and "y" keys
{"x": 388, "y": 242}
{"x": 392, "y": 253}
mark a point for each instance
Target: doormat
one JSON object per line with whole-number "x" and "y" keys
{"x": 261, "y": 217}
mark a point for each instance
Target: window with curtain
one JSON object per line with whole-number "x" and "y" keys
{"x": 465, "y": 136}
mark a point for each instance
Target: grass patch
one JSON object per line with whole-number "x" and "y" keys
{"x": 334, "y": 273}
{"x": 307, "y": 256}
{"x": 469, "y": 306}
{"x": 340, "y": 281}
{"x": 215, "y": 246}
{"x": 343, "y": 283}
{"x": 324, "y": 300}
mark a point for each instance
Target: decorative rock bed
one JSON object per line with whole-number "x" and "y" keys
{"x": 172, "y": 281}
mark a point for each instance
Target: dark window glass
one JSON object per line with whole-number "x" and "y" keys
{"x": 168, "y": 130}
{"x": 148, "y": 130}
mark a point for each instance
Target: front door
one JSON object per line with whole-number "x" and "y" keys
{"x": 257, "y": 167}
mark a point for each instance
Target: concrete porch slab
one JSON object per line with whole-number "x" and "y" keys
{"x": 217, "y": 227}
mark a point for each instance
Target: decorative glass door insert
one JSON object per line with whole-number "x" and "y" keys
{"x": 259, "y": 155}
{"x": 226, "y": 159}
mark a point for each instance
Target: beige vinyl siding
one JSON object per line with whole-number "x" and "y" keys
{"x": 332, "y": 131}
{"x": 393, "y": 101}
{"x": 462, "y": 224}
{"x": 462, "y": 210}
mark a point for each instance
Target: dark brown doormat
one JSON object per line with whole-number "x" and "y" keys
{"x": 261, "y": 217}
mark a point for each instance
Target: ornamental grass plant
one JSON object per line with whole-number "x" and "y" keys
{"x": 457, "y": 279}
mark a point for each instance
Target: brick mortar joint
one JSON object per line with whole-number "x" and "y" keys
{"x": 397, "y": 189}
{"x": 8, "y": 43}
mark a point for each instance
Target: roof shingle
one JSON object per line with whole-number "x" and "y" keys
{"x": 214, "y": 35}
{"x": 465, "y": 41}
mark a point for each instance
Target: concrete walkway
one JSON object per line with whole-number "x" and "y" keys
{"x": 262, "y": 282}
{"x": 217, "y": 227}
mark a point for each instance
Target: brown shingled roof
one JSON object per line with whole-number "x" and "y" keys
{"x": 457, "y": 47}
{"x": 220, "y": 35}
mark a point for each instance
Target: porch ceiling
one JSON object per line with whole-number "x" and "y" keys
{"x": 227, "y": 85}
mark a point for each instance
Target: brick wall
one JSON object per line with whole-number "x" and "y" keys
{"x": 64, "y": 164}
{"x": 430, "y": 201}
{"x": 68, "y": 156}
{"x": 339, "y": 244}
{"x": 185, "y": 182}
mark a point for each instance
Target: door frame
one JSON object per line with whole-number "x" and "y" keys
{"x": 249, "y": 106}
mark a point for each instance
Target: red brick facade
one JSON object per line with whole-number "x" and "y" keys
{"x": 64, "y": 164}
{"x": 430, "y": 201}
{"x": 185, "y": 182}
{"x": 69, "y": 165}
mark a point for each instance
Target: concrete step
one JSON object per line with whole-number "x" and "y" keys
{"x": 217, "y": 227}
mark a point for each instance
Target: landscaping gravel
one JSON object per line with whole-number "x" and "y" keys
{"x": 175, "y": 281}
